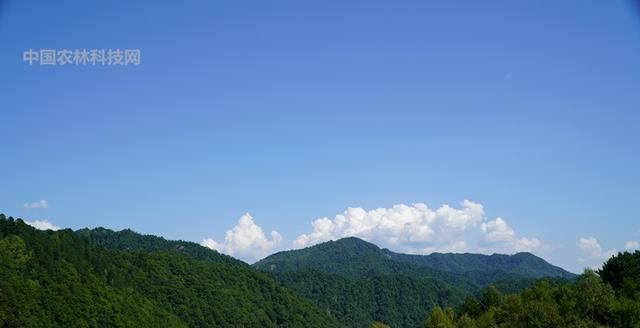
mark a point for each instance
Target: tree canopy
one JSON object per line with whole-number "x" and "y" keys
{"x": 606, "y": 298}
{"x": 60, "y": 279}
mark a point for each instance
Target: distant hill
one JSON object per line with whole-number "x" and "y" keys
{"x": 351, "y": 278}
{"x": 359, "y": 283}
{"x": 354, "y": 257}
{"x": 66, "y": 279}
{"x": 486, "y": 269}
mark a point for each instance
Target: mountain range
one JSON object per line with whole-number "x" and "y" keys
{"x": 99, "y": 277}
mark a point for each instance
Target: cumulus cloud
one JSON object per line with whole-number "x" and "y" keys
{"x": 527, "y": 244}
{"x": 418, "y": 229}
{"x": 632, "y": 245}
{"x": 594, "y": 254}
{"x": 497, "y": 232}
{"x": 39, "y": 204}
{"x": 42, "y": 225}
{"x": 590, "y": 246}
{"x": 246, "y": 241}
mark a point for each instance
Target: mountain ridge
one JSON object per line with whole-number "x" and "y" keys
{"x": 129, "y": 240}
{"x": 521, "y": 263}
{"x": 354, "y": 250}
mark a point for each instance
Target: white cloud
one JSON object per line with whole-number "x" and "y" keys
{"x": 631, "y": 245}
{"x": 591, "y": 246}
{"x": 594, "y": 253}
{"x": 39, "y": 204}
{"x": 418, "y": 229}
{"x": 498, "y": 233}
{"x": 246, "y": 241}
{"x": 527, "y": 244}
{"x": 213, "y": 244}
{"x": 42, "y": 225}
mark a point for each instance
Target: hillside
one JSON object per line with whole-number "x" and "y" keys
{"x": 525, "y": 264}
{"x": 359, "y": 283}
{"x": 397, "y": 300}
{"x": 354, "y": 257}
{"x": 128, "y": 240}
{"x": 60, "y": 279}
{"x": 367, "y": 292}
{"x": 487, "y": 269}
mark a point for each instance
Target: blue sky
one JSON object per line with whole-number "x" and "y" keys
{"x": 296, "y": 110}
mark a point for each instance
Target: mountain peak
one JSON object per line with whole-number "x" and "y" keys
{"x": 349, "y": 256}
{"x": 355, "y": 242}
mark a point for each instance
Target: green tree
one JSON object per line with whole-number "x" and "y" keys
{"x": 472, "y": 307}
{"x": 595, "y": 297}
{"x": 465, "y": 322}
{"x": 491, "y": 297}
{"x": 440, "y": 318}
{"x": 622, "y": 272}
{"x": 13, "y": 252}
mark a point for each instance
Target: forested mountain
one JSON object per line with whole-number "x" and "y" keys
{"x": 487, "y": 269}
{"x": 520, "y": 263}
{"x": 60, "y": 279}
{"x": 354, "y": 257}
{"x": 350, "y": 257}
{"x": 403, "y": 300}
{"x": 360, "y": 283}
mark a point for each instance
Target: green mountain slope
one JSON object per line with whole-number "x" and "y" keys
{"x": 353, "y": 258}
{"x": 360, "y": 283}
{"x": 60, "y": 279}
{"x": 486, "y": 269}
{"x": 355, "y": 302}
{"x": 128, "y": 240}
{"x": 394, "y": 299}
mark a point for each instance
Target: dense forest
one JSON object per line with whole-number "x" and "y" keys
{"x": 609, "y": 297}
{"x": 61, "y": 279}
{"x": 103, "y": 278}
{"x": 395, "y": 299}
